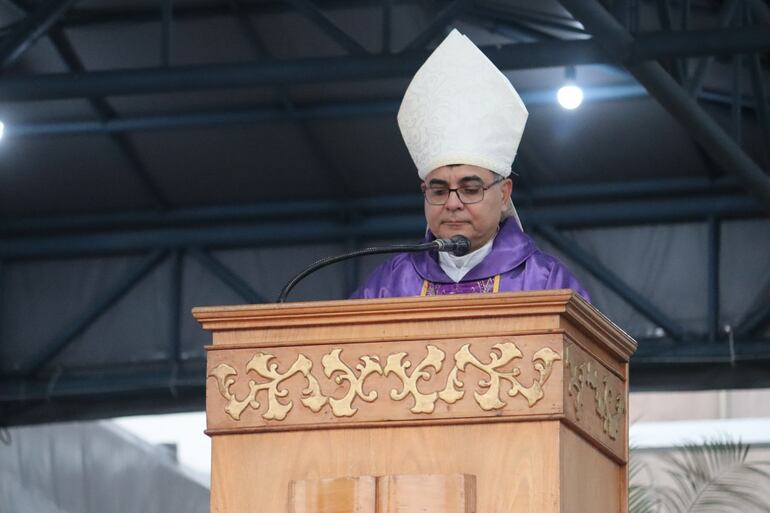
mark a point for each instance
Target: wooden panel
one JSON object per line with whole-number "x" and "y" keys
{"x": 590, "y": 481}
{"x": 406, "y": 329}
{"x": 383, "y": 311}
{"x": 421, "y": 386}
{"x": 434, "y": 493}
{"x": 342, "y": 495}
{"x": 426, "y": 493}
{"x": 595, "y": 402}
{"x": 515, "y": 464}
{"x": 408, "y": 318}
{"x": 326, "y": 386}
{"x": 596, "y": 351}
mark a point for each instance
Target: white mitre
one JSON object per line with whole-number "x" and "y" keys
{"x": 460, "y": 109}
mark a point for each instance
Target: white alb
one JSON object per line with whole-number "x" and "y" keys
{"x": 456, "y": 267}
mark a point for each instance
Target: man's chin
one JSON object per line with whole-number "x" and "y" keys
{"x": 459, "y": 226}
{"x": 450, "y": 230}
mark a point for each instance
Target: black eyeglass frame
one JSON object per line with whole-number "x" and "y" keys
{"x": 456, "y": 190}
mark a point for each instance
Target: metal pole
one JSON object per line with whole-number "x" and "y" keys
{"x": 167, "y": 7}
{"x": 736, "y": 108}
{"x": 760, "y": 100}
{"x": 714, "y": 246}
{"x": 387, "y": 16}
{"x": 177, "y": 279}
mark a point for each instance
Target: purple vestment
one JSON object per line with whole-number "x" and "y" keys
{"x": 514, "y": 257}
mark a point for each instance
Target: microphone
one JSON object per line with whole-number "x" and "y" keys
{"x": 458, "y": 245}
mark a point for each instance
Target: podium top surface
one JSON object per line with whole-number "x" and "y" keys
{"x": 553, "y": 306}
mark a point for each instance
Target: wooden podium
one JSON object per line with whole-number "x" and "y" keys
{"x": 511, "y": 402}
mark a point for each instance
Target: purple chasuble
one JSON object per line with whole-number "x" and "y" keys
{"x": 514, "y": 257}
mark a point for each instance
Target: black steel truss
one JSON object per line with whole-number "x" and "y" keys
{"x": 344, "y": 68}
{"x": 42, "y": 391}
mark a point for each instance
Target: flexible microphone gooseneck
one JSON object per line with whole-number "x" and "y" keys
{"x": 458, "y": 245}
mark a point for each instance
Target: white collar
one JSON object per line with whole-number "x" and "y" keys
{"x": 456, "y": 267}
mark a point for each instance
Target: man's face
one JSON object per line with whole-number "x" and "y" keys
{"x": 478, "y": 221}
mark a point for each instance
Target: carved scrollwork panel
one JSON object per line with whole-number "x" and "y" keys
{"x": 587, "y": 378}
{"x": 348, "y": 382}
{"x": 423, "y": 403}
{"x": 336, "y": 368}
{"x": 505, "y": 353}
{"x": 276, "y": 410}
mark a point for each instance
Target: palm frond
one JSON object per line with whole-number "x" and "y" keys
{"x": 642, "y": 498}
{"x": 714, "y": 477}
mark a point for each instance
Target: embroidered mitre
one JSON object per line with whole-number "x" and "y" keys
{"x": 460, "y": 109}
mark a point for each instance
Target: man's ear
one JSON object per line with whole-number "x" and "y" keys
{"x": 506, "y": 187}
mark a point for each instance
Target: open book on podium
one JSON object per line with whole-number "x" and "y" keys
{"x": 489, "y": 403}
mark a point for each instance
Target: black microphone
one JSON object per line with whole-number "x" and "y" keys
{"x": 458, "y": 245}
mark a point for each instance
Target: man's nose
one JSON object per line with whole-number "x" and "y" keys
{"x": 453, "y": 201}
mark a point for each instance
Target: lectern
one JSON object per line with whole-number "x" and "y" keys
{"x": 489, "y": 403}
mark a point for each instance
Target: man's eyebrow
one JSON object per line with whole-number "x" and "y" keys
{"x": 464, "y": 179}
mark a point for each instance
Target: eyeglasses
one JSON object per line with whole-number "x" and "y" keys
{"x": 467, "y": 194}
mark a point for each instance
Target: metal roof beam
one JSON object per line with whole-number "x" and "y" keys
{"x": 761, "y": 10}
{"x": 437, "y": 25}
{"x": 760, "y": 100}
{"x": 285, "y": 111}
{"x": 275, "y": 71}
{"x": 73, "y": 63}
{"x": 719, "y": 41}
{"x": 144, "y": 13}
{"x": 334, "y": 69}
{"x": 106, "y": 113}
{"x": 99, "y": 307}
{"x": 30, "y": 29}
{"x": 328, "y": 27}
{"x": 611, "y": 280}
{"x": 675, "y": 99}
{"x": 227, "y": 276}
{"x": 758, "y": 319}
{"x": 331, "y": 110}
{"x": 726, "y": 14}
{"x": 273, "y": 211}
{"x": 399, "y": 216}
{"x": 319, "y": 153}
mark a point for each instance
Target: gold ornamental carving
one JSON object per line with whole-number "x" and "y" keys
{"x": 498, "y": 367}
{"x": 276, "y": 410}
{"x": 423, "y": 403}
{"x": 490, "y": 400}
{"x": 610, "y": 403}
{"x": 334, "y": 366}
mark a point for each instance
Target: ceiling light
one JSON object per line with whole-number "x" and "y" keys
{"x": 2, "y": 129}
{"x": 570, "y": 96}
